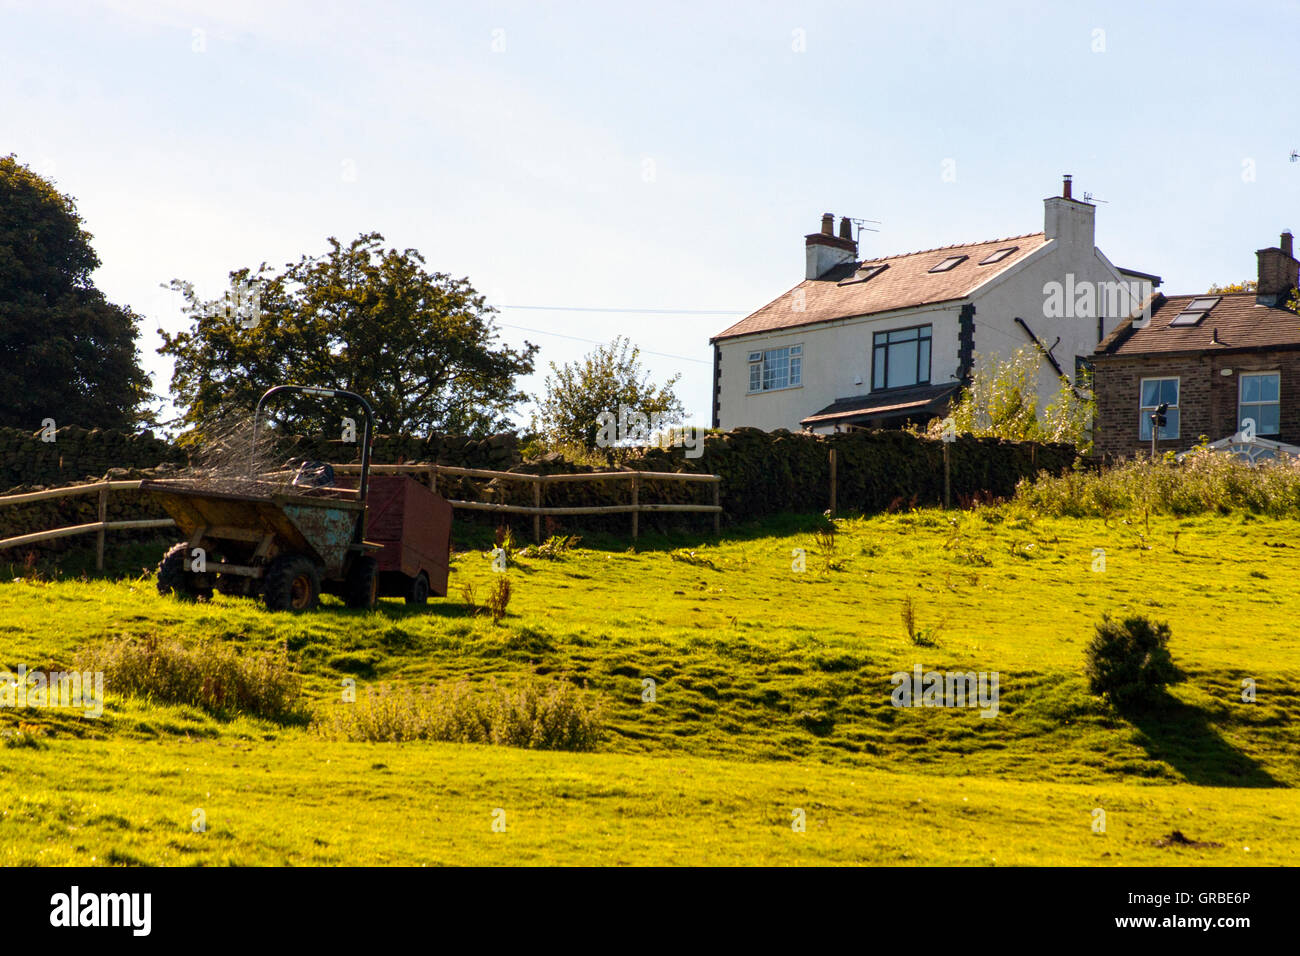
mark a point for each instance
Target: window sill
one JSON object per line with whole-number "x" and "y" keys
{"x": 899, "y": 388}
{"x": 769, "y": 391}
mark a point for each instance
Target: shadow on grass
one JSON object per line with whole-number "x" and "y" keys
{"x": 1180, "y": 735}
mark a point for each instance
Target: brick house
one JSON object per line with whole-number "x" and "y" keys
{"x": 1217, "y": 360}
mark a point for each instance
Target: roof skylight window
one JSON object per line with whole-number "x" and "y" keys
{"x": 949, "y": 263}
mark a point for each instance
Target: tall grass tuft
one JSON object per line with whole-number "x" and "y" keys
{"x": 209, "y": 674}
{"x": 1204, "y": 481}
{"x": 537, "y": 714}
{"x": 498, "y": 598}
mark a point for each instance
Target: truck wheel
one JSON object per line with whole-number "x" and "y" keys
{"x": 362, "y": 587}
{"x": 172, "y": 576}
{"x": 292, "y": 584}
{"x": 419, "y": 590}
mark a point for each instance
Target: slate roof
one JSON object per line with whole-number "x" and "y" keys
{"x": 1236, "y": 322}
{"x": 907, "y": 282}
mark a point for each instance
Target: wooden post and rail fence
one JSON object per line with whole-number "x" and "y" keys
{"x": 635, "y": 508}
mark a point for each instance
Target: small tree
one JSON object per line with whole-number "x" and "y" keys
{"x": 611, "y": 375}
{"x": 1001, "y": 401}
{"x": 1128, "y": 661}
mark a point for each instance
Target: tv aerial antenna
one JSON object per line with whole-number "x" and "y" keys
{"x": 861, "y": 226}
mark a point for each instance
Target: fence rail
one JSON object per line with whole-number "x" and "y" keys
{"x": 635, "y": 508}
{"x": 100, "y": 527}
{"x": 538, "y": 511}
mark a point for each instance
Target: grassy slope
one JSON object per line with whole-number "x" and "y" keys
{"x": 768, "y": 681}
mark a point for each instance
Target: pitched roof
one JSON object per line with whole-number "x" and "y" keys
{"x": 1235, "y": 322}
{"x": 905, "y": 283}
{"x": 879, "y": 406}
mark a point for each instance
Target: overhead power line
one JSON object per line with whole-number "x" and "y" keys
{"x": 583, "y": 308}
{"x": 578, "y": 338}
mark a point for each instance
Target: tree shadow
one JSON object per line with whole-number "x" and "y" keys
{"x": 1180, "y": 735}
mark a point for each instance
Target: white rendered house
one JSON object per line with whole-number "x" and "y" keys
{"x": 880, "y": 342}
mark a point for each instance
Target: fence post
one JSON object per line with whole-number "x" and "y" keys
{"x": 717, "y": 515}
{"x": 99, "y": 536}
{"x": 636, "y": 504}
{"x": 833, "y": 482}
{"x": 433, "y": 477}
{"x": 537, "y": 503}
{"x": 947, "y": 478}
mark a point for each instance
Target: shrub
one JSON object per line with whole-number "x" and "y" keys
{"x": 1204, "y": 481}
{"x": 538, "y": 714}
{"x": 208, "y": 675}
{"x": 1128, "y": 661}
{"x": 553, "y": 548}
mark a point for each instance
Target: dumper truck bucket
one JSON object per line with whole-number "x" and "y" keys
{"x": 320, "y": 531}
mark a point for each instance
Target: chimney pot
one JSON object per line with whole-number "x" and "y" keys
{"x": 828, "y": 224}
{"x": 1065, "y": 187}
{"x": 846, "y": 228}
{"x": 1286, "y": 243}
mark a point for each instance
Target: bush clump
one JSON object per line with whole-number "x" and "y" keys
{"x": 1128, "y": 662}
{"x": 208, "y": 675}
{"x": 1205, "y": 481}
{"x": 538, "y": 714}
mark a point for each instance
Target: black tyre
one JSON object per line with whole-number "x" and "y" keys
{"x": 361, "y": 589}
{"x": 172, "y": 576}
{"x": 292, "y": 583}
{"x": 419, "y": 590}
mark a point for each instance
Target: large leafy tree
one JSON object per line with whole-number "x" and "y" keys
{"x": 577, "y": 394}
{"x": 421, "y": 346}
{"x": 66, "y": 353}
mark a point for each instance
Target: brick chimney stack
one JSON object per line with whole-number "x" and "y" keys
{"x": 824, "y": 250}
{"x": 1278, "y": 272}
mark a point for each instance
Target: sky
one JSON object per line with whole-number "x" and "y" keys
{"x": 646, "y": 170}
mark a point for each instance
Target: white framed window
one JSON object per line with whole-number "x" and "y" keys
{"x": 1155, "y": 392}
{"x": 1259, "y": 397}
{"x": 774, "y": 369}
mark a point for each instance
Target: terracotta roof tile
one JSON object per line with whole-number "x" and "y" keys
{"x": 1236, "y": 322}
{"x": 907, "y": 282}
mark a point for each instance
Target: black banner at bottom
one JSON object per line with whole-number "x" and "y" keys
{"x": 336, "y": 906}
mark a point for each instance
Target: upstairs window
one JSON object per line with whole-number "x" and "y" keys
{"x": 1154, "y": 393}
{"x": 776, "y": 368}
{"x": 901, "y": 358}
{"x": 1260, "y": 401}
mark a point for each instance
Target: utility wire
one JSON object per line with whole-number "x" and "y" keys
{"x": 578, "y": 338}
{"x": 579, "y": 308}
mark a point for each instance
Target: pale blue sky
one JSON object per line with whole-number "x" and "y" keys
{"x": 645, "y": 156}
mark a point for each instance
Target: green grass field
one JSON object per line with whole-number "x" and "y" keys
{"x": 772, "y": 695}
